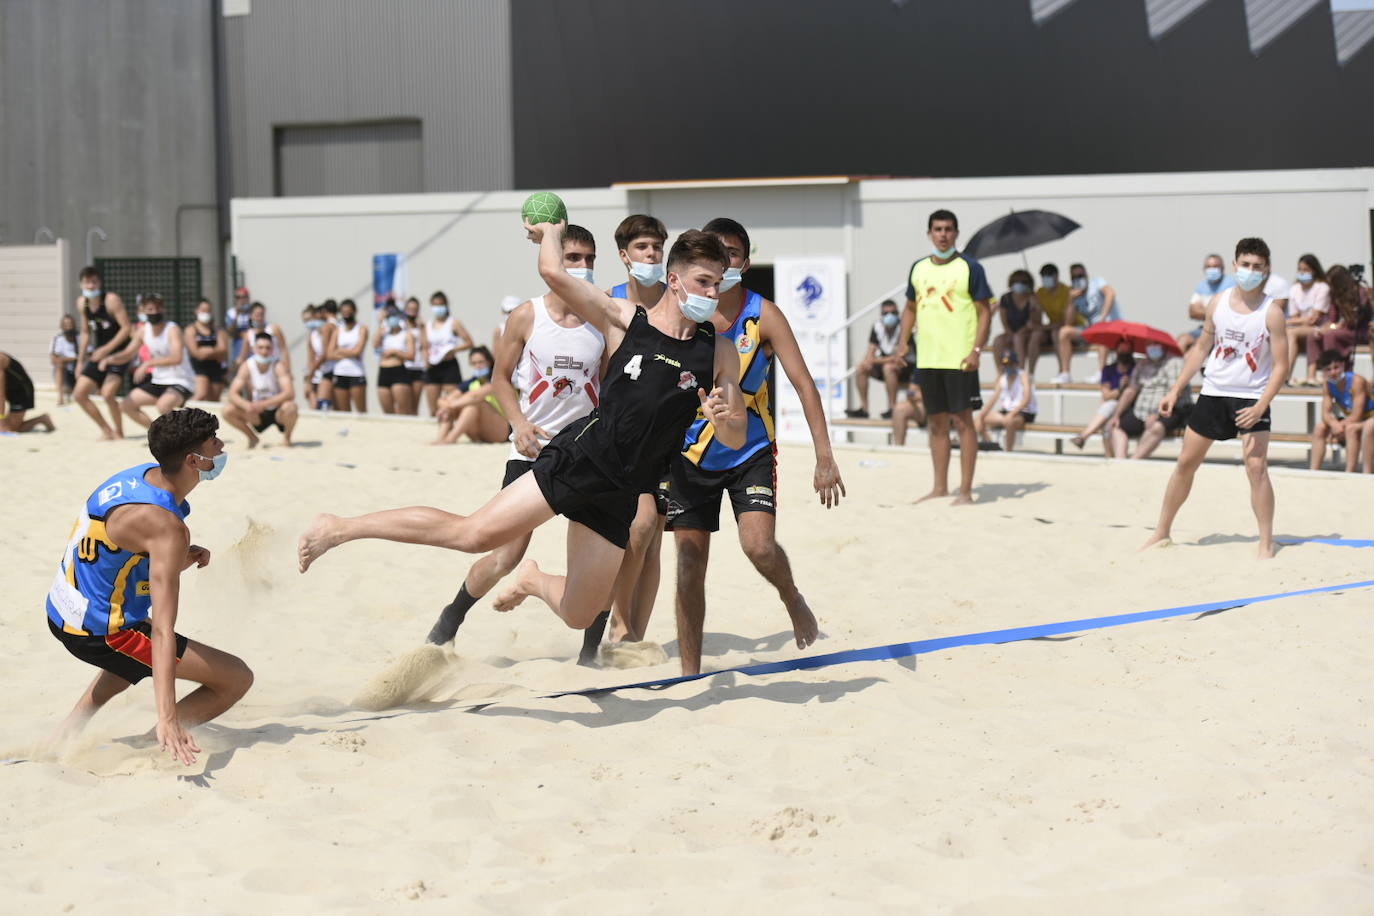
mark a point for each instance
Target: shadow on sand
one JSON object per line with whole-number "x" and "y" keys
{"x": 985, "y": 493}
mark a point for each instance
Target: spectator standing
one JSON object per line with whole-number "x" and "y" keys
{"x": 1095, "y": 301}
{"x": 1345, "y": 408}
{"x": 105, "y": 329}
{"x": 881, "y": 362}
{"x": 257, "y": 321}
{"x": 447, "y": 338}
{"x": 1137, "y": 412}
{"x": 948, "y": 302}
{"x": 209, "y": 348}
{"x": 1214, "y": 280}
{"x": 1014, "y": 396}
{"x": 1115, "y": 377}
{"x": 347, "y": 345}
{"x": 1309, "y": 304}
{"x": 415, "y": 366}
{"x": 62, "y": 355}
{"x": 319, "y": 368}
{"x": 165, "y": 377}
{"x": 1023, "y": 320}
{"x": 1347, "y": 321}
{"x": 237, "y": 320}
{"x": 396, "y": 345}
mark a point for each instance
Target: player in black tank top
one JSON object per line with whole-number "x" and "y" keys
{"x": 105, "y": 330}
{"x": 665, "y": 366}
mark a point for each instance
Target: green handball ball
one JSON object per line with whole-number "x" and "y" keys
{"x": 543, "y": 207}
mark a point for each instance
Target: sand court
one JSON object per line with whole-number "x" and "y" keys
{"x": 1217, "y": 763}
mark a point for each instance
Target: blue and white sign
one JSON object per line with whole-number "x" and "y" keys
{"x": 812, "y": 293}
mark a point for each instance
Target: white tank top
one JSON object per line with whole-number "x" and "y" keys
{"x": 317, "y": 345}
{"x": 441, "y": 340}
{"x": 352, "y": 366}
{"x": 1241, "y": 361}
{"x": 263, "y": 382}
{"x": 419, "y": 361}
{"x": 396, "y": 340}
{"x": 559, "y": 374}
{"x": 159, "y": 347}
{"x": 1011, "y": 395}
{"x": 251, "y": 334}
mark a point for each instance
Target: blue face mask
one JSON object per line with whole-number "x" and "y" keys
{"x": 582, "y": 273}
{"x": 891, "y": 319}
{"x": 1213, "y": 274}
{"x": 731, "y": 279}
{"x": 697, "y": 308}
{"x": 1248, "y": 279}
{"x": 484, "y": 372}
{"x": 947, "y": 253}
{"x": 646, "y": 274}
{"x": 393, "y": 323}
{"x": 1080, "y": 282}
{"x": 314, "y": 324}
{"x": 440, "y": 311}
{"x": 1020, "y": 289}
{"x": 91, "y": 293}
{"x": 1049, "y": 281}
{"x": 219, "y": 461}
{"x": 1305, "y": 277}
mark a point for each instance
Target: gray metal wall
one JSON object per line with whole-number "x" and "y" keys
{"x": 106, "y": 120}
{"x": 383, "y": 158}
{"x": 295, "y": 63}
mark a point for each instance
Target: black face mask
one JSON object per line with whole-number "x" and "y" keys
{"x": 154, "y": 317}
{"x": 347, "y": 319}
{"x": 70, "y": 335}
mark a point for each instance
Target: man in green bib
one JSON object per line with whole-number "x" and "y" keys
{"x": 948, "y": 302}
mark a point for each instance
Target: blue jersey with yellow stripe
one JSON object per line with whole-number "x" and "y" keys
{"x": 621, "y": 290}
{"x": 701, "y": 447}
{"x": 101, "y": 588}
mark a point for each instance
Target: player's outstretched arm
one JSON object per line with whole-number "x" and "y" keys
{"x": 777, "y": 333}
{"x": 587, "y": 301}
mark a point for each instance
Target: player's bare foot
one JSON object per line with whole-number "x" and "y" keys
{"x": 933, "y": 494}
{"x": 963, "y": 499}
{"x": 45, "y": 421}
{"x": 1157, "y": 540}
{"x": 253, "y": 441}
{"x": 804, "y": 626}
{"x": 510, "y": 597}
{"x": 1267, "y": 551}
{"x": 108, "y": 435}
{"x": 321, "y": 537}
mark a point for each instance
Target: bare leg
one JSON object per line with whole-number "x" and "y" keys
{"x": 223, "y": 679}
{"x": 1352, "y": 446}
{"x": 82, "y": 395}
{"x": 1149, "y": 440}
{"x": 862, "y": 382}
{"x": 169, "y": 401}
{"x": 104, "y": 688}
{"x": 1015, "y": 423}
{"x": 342, "y": 399}
{"x": 495, "y": 566}
{"x": 1066, "y": 337}
{"x": 580, "y": 596}
{"x": 202, "y": 391}
{"x": 1367, "y": 446}
{"x": 641, "y": 562}
{"x": 1256, "y": 450}
{"x": 359, "y": 394}
{"x": 515, "y": 511}
{"x": 1180, "y": 484}
{"x": 288, "y": 414}
{"x": 1033, "y": 344}
{"x": 1319, "y": 436}
{"x": 939, "y": 455}
{"x": 891, "y": 371}
{"x": 757, "y": 535}
{"x": 968, "y": 456}
{"x": 235, "y": 418}
{"x": 404, "y": 400}
{"x": 693, "y": 553}
{"x": 432, "y": 399}
{"x": 384, "y": 397}
{"x": 1120, "y": 443}
{"x": 133, "y": 405}
{"x": 110, "y": 392}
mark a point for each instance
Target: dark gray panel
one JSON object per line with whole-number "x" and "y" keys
{"x": 383, "y": 158}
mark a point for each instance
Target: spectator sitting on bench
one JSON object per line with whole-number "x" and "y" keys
{"x": 1115, "y": 378}
{"x": 1095, "y": 300}
{"x": 1014, "y": 396}
{"x": 1137, "y": 413}
{"x": 881, "y": 362}
{"x": 1309, "y": 304}
{"x": 1022, "y": 321}
{"x": 1345, "y": 410}
{"x": 1346, "y": 324}
{"x": 1214, "y": 280}
{"x": 909, "y": 408}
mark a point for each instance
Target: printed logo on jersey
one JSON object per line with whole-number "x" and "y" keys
{"x": 144, "y": 588}
{"x": 759, "y": 491}
{"x": 659, "y": 357}
{"x": 745, "y": 345}
{"x": 558, "y": 386}
{"x": 686, "y": 380}
{"x": 111, "y": 492}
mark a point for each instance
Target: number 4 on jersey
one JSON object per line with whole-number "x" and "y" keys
{"x": 632, "y": 368}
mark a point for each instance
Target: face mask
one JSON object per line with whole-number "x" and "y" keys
{"x": 262, "y": 361}
{"x": 1213, "y": 274}
{"x": 70, "y": 335}
{"x": 581, "y": 273}
{"x": 205, "y": 317}
{"x": 1080, "y": 282}
{"x": 1048, "y": 281}
{"x": 258, "y": 324}
{"x": 484, "y": 372}
{"x": 393, "y": 323}
{"x": 697, "y": 308}
{"x": 313, "y": 324}
{"x": 1154, "y": 351}
{"x": 946, "y": 253}
{"x": 91, "y": 293}
{"x": 1305, "y": 278}
{"x": 1020, "y": 289}
{"x": 439, "y": 311}
{"x": 731, "y": 279}
{"x": 348, "y": 319}
{"x": 1248, "y": 279}
{"x": 219, "y": 461}
{"x": 154, "y": 317}
{"x": 890, "y": 319}
{"x": 647, "y": 274}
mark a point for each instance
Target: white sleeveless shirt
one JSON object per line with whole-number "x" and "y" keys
{"x": 263, "y": 382}
{"x": 396, "y": 340}
{"x": 417, "y": 361}
{"x": 1240, "y": 362}
{"x": 326, "y": 366}
{"x": 160, "y": 347}
{"x": 352, "y": 366}
{"x": 1011, "y": 395}
{"x": 559, "y": 374}
{"x": 441, "y": 340}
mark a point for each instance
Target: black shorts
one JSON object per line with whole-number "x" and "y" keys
{"x": 127, "y": 654}
{"x": 694, "y": 495}
{"x": 445, "y": 373}
{"x": 515, "y": 469}
{"x": 68, "y": 376}
{"x": 345, "y": 382}
{"x": 581, "y": 492}
{"x": 415, "y": 375}
{"x": 93, "y": 371}
{"x": 268, "y": 418}
{"x": 1215, "y": 417}
{"x": 210, "y": 369}
{"x": 1028, "y": 414}
{"x": 1133, "y": 426}
{"x": 158, "y": 391}
{"x": 392, "y": 375}
{"x": 18, "y": 387}
{"x": 949, "y": 390}
{"x": 903, "y": 376}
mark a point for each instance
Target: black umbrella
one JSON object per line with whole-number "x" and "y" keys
{"x": 1017, "y": 232}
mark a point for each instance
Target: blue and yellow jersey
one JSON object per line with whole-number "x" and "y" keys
{"x": 621, "y": 290}
{"x": 101, "y": 588}
{"x": 701, "y": 447}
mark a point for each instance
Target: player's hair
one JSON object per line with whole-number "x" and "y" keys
{"x": 150, "y": 298}
{"x": 1331, "y": 356}
{"x": 1345, "y": 294}
{"x": 942, "y": 214}
{"x": 1023, "y": 275}
{"x": 724, "y": 226}
{"x": 262, "y": 335}
{"x": 178, "y": 433}
{"x": 1052, "y": 269}
{"x": 1318, "y": 275}
{"x": 438, "y": 294}
{"x": 638, "y": 225}
{"x": 1252, "y": 246}
{"x": 90, "y": 273}
{"x": 257, "y": 305}
{"x": 480, "y": 349}
{"x": 891, "y": 302}
{"x": 1078, "y": 265}
{"x": 309, "y": 309}
{"x": 694, "y": 246}
{"x": 577, "y": 235}
{"x": 410, "y": 299}
{"x": 1214, "y": 255}
{"x": 329, "y": 306}
{"x": 348, "y": 302}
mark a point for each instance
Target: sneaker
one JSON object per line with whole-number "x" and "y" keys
{"x": 886, "y": 414}
{"x": 1063, "y": 378}
{"x": 1094, "y": 379}
{"x": 857, "y": 413}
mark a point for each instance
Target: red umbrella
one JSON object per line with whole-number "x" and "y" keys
{"x": 1111, "y": 333}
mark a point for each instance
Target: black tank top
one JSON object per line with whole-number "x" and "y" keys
{"x": 102, "y": 323}
{"x": 647, "y": 401}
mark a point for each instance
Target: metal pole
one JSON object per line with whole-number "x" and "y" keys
{"x": 42, "y": 231}
{"x": 90, "y": 250}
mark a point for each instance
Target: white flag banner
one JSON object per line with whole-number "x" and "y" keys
{"x": 812, "y": 292}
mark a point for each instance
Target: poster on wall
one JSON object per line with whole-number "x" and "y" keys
{"x": 388, "y": 280}
{"x": 811, "y": 290}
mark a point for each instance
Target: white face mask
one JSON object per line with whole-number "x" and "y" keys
{"x": 262, "y": 361}
{"x": 205, "y": 317}
{"x": 581, "y": 273}
{"x": 697, "y": 308}
{"x": 731, "y": 279}
{"x": 1154, "y": 351}
{"x": 646, "y": 274}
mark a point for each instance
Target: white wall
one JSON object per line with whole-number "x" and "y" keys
{"x": 33, "y": 296}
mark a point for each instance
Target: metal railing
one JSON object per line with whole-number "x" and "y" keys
{"x": 830, "y": 378}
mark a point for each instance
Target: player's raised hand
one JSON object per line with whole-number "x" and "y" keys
{"x": 535, "y": 231}
{"x": 829, "y": 486}
{"x": 714, "y": 406}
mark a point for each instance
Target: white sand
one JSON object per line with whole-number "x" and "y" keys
{"x": 1220, "y": 765}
